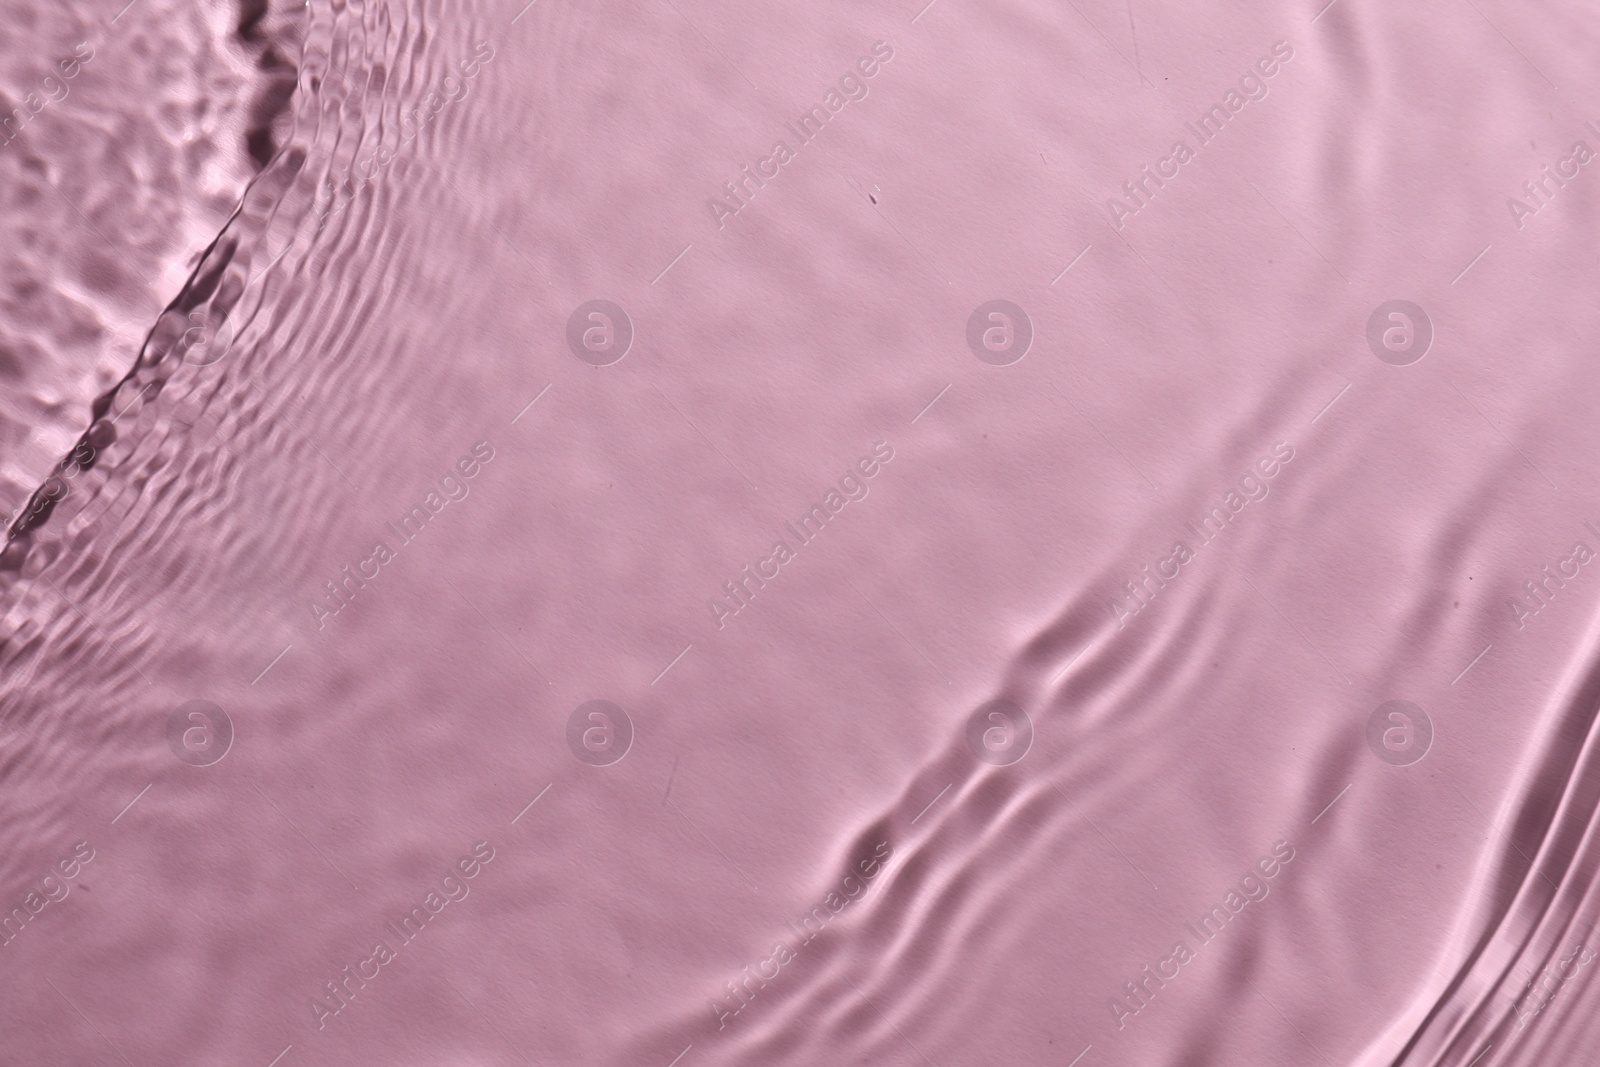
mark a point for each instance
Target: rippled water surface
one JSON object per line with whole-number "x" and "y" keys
{"x": 685, "y": 533}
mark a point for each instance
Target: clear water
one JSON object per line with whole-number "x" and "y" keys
{"x": 703, "y": 534}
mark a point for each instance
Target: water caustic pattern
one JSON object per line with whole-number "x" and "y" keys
{"x": 694, "y": 534}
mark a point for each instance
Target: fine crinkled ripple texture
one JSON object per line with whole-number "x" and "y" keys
{"x": 683, "y": 533}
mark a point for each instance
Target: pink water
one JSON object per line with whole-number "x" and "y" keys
{"x": 684, "y": 533}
